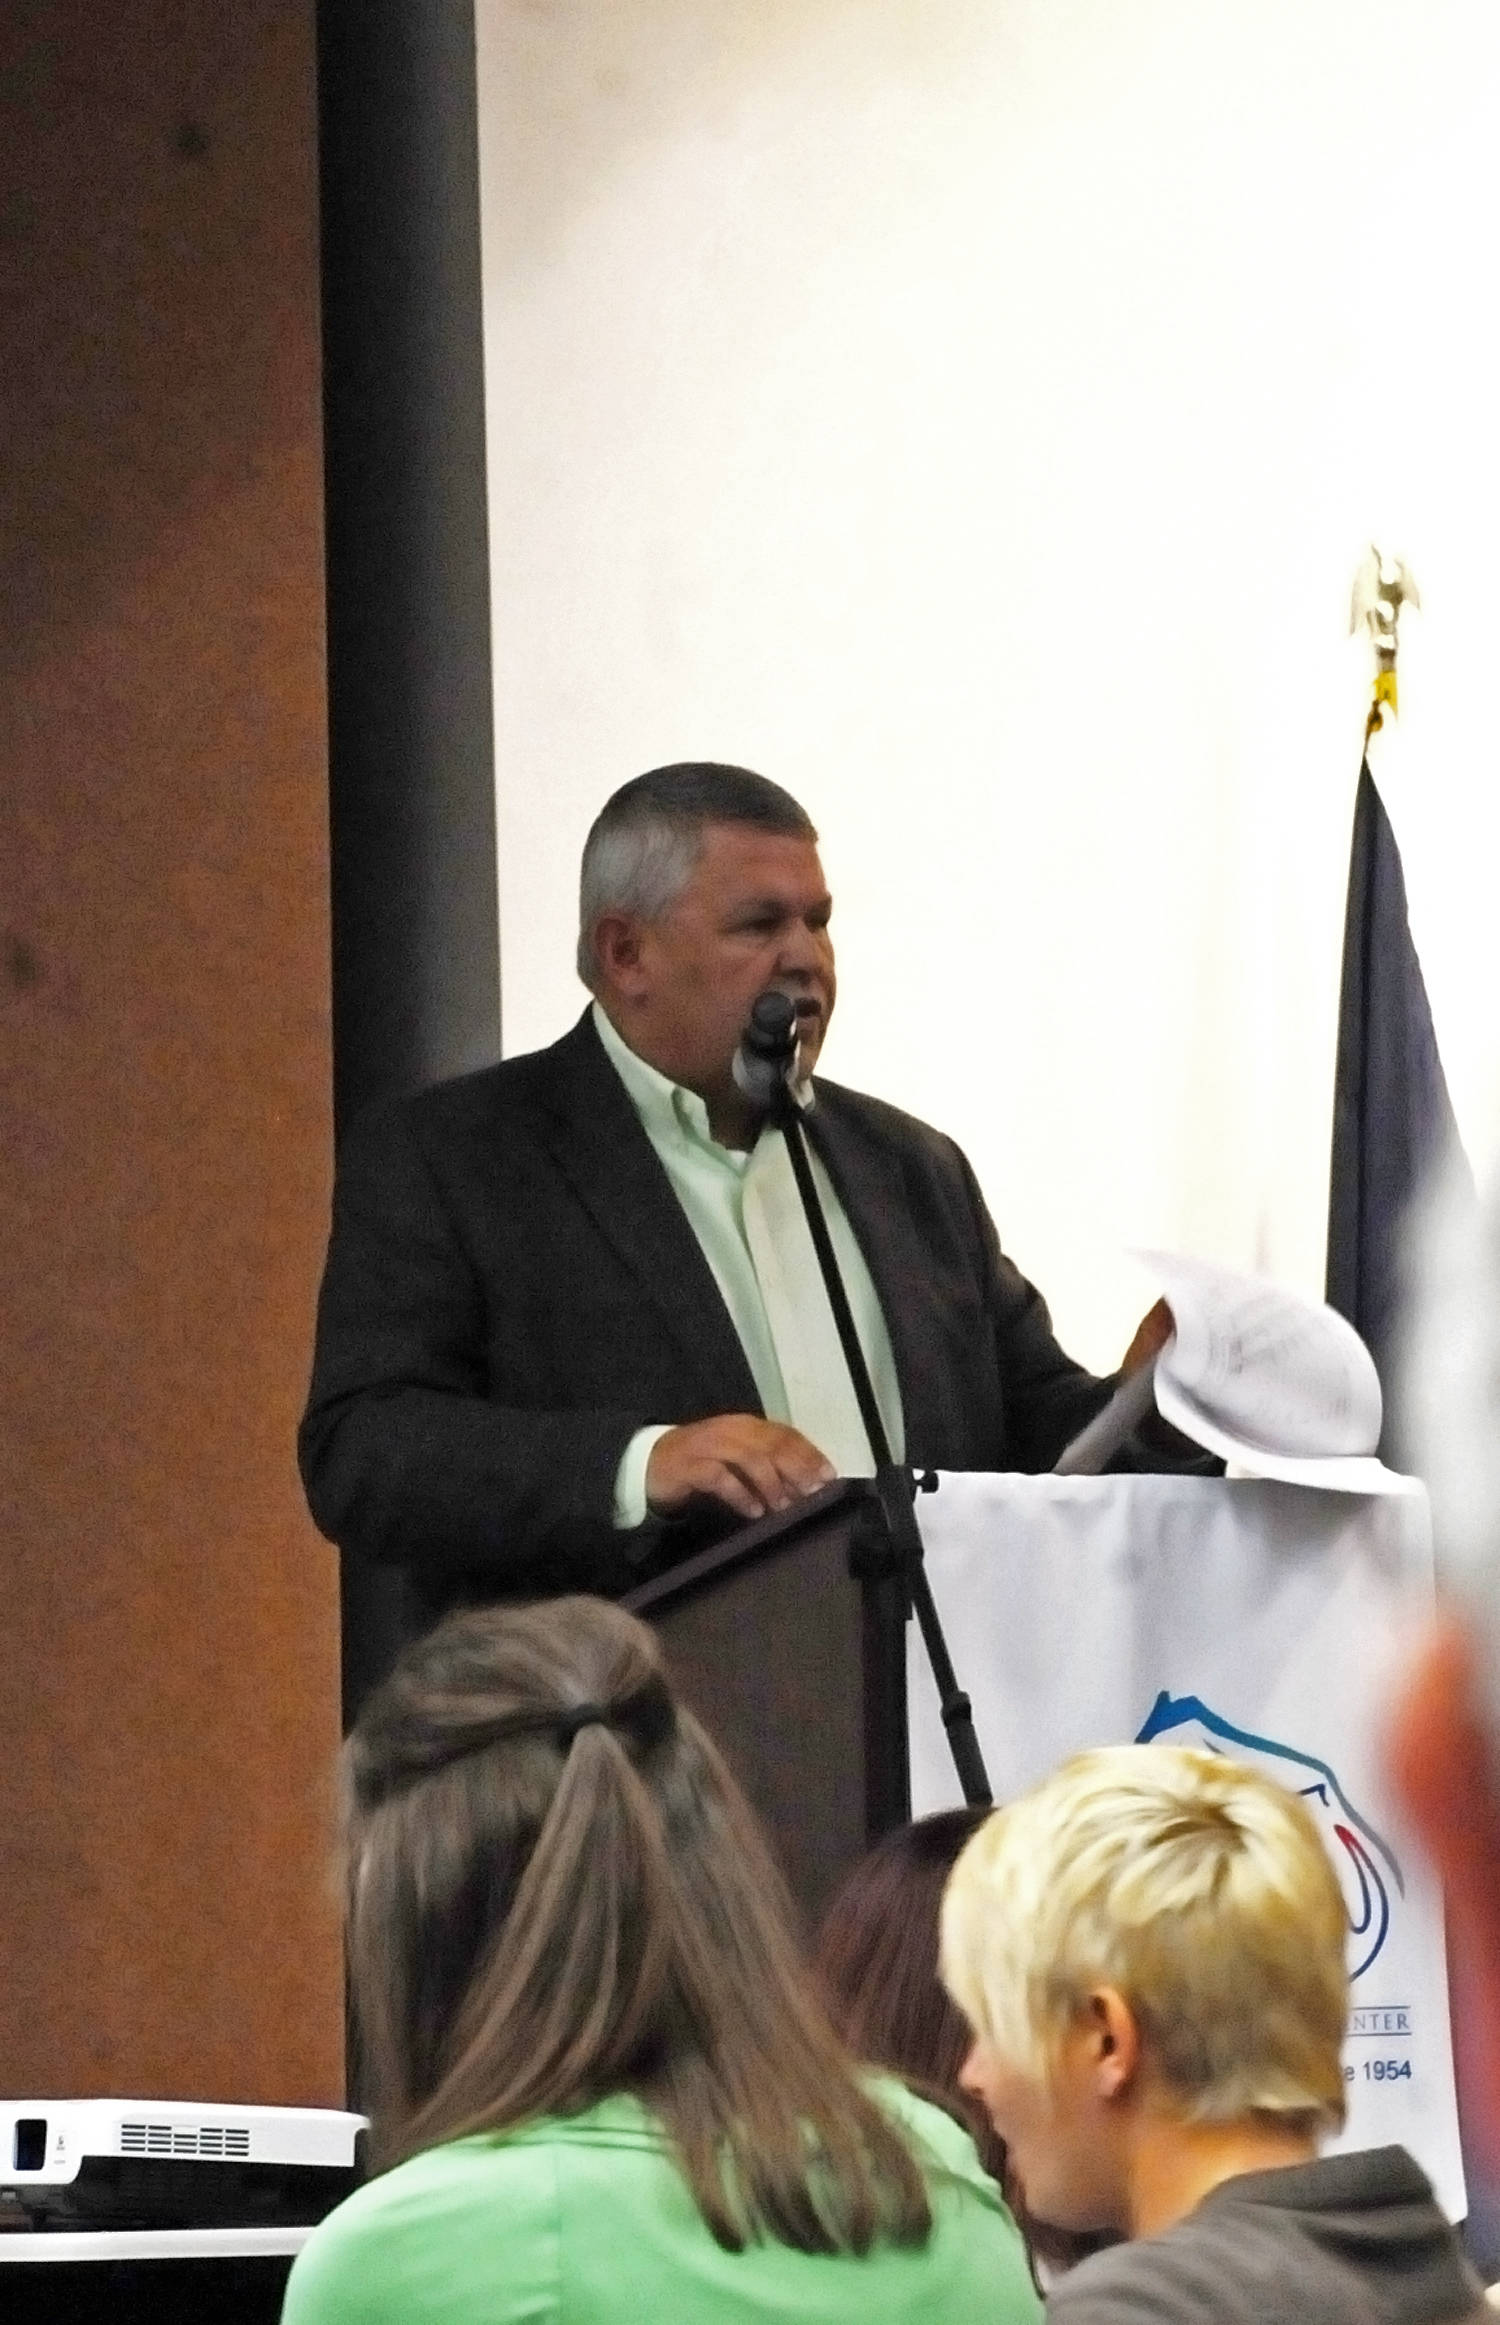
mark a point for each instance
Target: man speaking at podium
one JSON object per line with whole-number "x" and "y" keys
{"x": 572, "y": 1308}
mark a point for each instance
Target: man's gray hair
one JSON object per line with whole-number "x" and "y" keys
{"x": 645, "y": 841}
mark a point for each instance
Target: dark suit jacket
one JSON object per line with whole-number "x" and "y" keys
{"x": 513, "y": 1289}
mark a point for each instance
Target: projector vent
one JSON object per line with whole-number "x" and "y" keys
{"x": 209, "y": 2139}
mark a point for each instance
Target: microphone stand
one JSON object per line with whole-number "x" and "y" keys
{"x": 894, "y": 1486}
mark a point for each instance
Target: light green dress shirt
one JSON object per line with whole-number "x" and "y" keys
{"x": 747, "y": 1216}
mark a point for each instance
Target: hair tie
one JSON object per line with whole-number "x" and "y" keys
{"x": 583, "y": 1715}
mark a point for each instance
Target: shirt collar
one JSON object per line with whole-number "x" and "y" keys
{"x": 666, "y": 1109}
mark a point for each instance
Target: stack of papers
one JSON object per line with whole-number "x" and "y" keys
{"x": 1279, "y": 1386}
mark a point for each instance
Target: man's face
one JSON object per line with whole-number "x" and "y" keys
{"x": 1061, "y": 2141}
{"x": 753, "y": 915}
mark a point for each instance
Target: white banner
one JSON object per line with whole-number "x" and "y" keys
{"x": 1268, "y": 1621}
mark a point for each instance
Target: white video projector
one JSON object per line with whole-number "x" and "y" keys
{"x": 158, "y": 2163}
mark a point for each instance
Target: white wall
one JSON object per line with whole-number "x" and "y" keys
{"x": 971, "y": 413}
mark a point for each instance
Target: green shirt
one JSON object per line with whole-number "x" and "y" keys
{"x": 770, "y": 1283}
{"x": 588, "y": 2221}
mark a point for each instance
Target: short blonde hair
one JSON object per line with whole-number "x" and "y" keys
{"x": 1196, "y": 1887}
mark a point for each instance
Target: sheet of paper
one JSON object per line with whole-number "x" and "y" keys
{"x": 1280, "y": 1386}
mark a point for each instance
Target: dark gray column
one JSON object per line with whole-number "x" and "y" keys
{"x": 415, "y": 940}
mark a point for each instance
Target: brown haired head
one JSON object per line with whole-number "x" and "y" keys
{"x": 877, "y": 1955}
{"x": 555, "y": 1891}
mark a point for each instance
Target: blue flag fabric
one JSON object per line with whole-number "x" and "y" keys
{"x": 1392, "y": 1117}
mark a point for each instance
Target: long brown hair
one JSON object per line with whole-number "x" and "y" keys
{"x": 555, "y": 1891}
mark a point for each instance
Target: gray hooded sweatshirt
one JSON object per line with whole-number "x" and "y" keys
{"x": 1345, "y": 2240}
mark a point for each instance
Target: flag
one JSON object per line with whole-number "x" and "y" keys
{"x": 1392, "y": 1116}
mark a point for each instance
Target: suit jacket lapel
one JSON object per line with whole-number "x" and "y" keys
{"x": 602, "y": 1149}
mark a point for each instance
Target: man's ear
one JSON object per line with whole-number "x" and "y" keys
{"x": 617, "y": 949}
{"x": 1115, "y": 2042}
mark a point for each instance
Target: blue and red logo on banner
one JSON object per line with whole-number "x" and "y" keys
{"x": 1367, "y": 1864}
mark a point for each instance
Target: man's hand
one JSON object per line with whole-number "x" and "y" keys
{"x": 1152, "y": 1333}
{"x": 754, "y": 1465}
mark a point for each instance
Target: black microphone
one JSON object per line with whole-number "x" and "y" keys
{"x": 765, "y": 1063}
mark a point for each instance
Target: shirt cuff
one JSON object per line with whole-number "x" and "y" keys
{"x": 630, "y": 1477}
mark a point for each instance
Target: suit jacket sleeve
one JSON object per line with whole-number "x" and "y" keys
{"x": 405, "y": 1453}
{"x": 1046, "y": 1397}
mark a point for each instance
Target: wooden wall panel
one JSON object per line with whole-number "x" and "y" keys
{"x": 168, "y": 1618}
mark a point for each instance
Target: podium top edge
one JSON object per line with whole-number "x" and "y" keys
{"x": 748, "y": 1543}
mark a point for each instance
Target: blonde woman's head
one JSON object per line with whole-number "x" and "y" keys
{"x": 1193, "y": 1888}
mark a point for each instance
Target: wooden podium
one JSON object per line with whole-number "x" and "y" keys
{"x": 789, "y": 1641}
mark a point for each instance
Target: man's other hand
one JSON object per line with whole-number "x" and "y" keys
{"x": 754, "y": 1465}
{"x": 1152, "y": 1333}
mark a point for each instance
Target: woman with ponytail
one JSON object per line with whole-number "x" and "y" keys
{"x": 600, "y": 2085}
